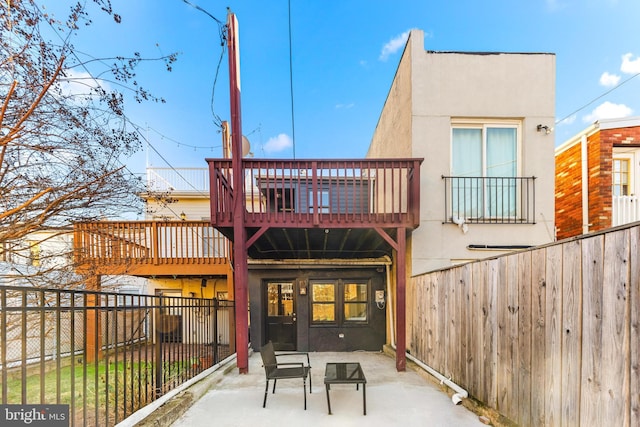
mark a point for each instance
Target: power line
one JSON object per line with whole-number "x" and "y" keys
{"x": 203, "y": 11}
{"x": 182, "y": 144}
{"x": 596, "y": 98}
{"x": 222, "y": 34}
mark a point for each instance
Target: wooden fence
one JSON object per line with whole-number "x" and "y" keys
{"x": 547, "y": 337}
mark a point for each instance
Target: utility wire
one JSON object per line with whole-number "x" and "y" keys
{"x": 180, "y": 143}
{"x": 596, "y": 98}
{"x": 195, "y": 6}
{"x": 222, "y": 33}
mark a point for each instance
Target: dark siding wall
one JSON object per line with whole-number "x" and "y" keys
{"x": 370, "y": 336}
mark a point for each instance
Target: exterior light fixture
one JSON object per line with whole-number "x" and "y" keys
{"x": 547, "y": 129}
{"x": 183, "y": 215}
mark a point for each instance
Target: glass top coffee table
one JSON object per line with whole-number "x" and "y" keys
{"x": 345, "y": 373}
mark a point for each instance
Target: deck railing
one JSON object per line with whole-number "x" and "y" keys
{"x": 103, "y": 355}
{"x": 149, "y": 243}
{"x": 304, "y": 193}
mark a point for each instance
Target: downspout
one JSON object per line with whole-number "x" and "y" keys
{"x": 585, "y": 184}
{"x": 460, "y": 393}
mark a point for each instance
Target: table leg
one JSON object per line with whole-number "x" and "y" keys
{"x": 328, "y": 399}
{"x": 364, "y": 398}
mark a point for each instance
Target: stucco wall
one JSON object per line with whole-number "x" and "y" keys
{"x": 392, "y": 136}
{"x": 433, "y": 88}
{"x": 195, "y": 209}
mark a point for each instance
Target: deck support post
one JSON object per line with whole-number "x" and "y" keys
{"x": 241, "y": 273}
{"x": 400, "y": 249}
{"x": 93, "y": 349}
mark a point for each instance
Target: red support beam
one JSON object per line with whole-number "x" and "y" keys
{"x": 239, "y": 230}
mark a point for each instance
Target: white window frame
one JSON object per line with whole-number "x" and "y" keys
{"x": 633, "y": 175}
{"x": 483, "y": 125}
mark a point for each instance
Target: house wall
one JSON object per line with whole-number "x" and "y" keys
{"x": 569, "y": 185}
{"x": 189, "y": 286}
{"x": 392, "y": 136}
{"x": 195, "y": 208}
{"x": 603, "y": 140}
{"x": 337, "y": 337}
{"x": 430, "y": 90}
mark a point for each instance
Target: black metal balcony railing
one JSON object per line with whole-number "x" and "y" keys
{"x": 489, "y": 200}
{"x": 105, "y": 355}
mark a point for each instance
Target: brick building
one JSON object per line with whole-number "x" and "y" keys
{"x": 607, "y": 153}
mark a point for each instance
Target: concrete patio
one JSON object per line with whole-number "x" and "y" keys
{"x": 411, "y": 398}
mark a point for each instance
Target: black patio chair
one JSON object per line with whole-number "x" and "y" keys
{"x": 275, "y": 370}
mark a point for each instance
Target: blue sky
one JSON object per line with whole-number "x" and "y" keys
{"x": 344, "y": 54}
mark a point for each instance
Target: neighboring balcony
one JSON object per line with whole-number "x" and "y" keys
{"x": 319, "y": 193}
{"x": 625, "y": 209}
{"x": 151, "y": 248}
{"x": 489, "y": 200}
{"x": 180, "y": 180}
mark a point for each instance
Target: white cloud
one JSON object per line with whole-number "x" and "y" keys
{"x": 345, "y": 106}
{"x": 393, "y": 45}
{"x": 278, "y": 143}
{"x": 75, "y": 83}
{"x": 607, "y": 79}
{"x": 608, "y": 110}
{"x": 629, "y": 65}
{"x": 554, "y": 5}
{"x": 567, "y": 120}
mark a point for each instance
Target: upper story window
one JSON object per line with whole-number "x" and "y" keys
{"x": 621, "y": 177}
{"x": 484, "y": 169}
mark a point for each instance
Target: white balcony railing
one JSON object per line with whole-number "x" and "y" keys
{"x": 178, "y": 179}
{"x": 625, "y": 209}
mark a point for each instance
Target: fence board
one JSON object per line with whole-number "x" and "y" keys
{"x": 414, "y": 295}
{"x": 553, "y": 339}
{"x": 524, "y": 289}
{"x": 505, "y": 350}
{"x": 431, "y": 318}
{"x": 615, "y": 311}
{"x": 475, "y": 373}
{"x": 538, "y": 336}
{"x": 634, "y": 344}
{"x": 490, "y": 333}
{"x": 453, "y": 329}
{"x": 441, "y": 319}
{"x": 432, "y": 297}
{"x": 593, "y": 272}
{"x": 466, "y": 316}
{"x": 571, "y": 333}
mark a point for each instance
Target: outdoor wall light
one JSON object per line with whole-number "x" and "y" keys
{"x": 547, "y": 129}
{"x": 183, "y": 216}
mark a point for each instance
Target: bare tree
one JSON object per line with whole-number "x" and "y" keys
{"x": 63, "y": 127}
